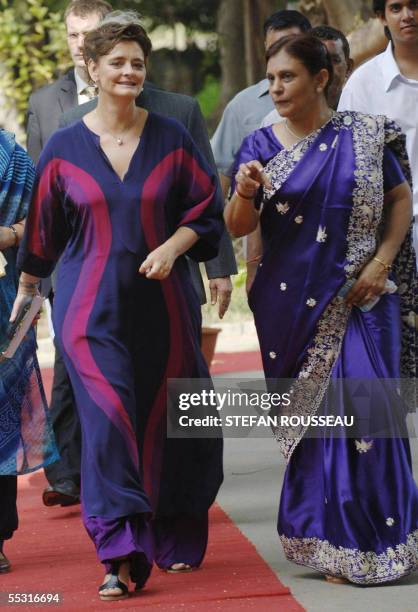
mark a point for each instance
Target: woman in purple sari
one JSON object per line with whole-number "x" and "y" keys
{"x": 335, "y": 207}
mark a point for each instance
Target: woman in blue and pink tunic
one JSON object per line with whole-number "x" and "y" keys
{"x": 120, "y": 197}
{"x": 335, "y": 208}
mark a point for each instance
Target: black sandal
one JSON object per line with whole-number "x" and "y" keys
{"x": 114, "y": 583}
{"x": 4, "y": 563}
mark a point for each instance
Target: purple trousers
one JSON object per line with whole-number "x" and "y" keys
{"x": 169, "y": 540}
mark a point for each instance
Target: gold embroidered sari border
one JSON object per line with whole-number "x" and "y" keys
{"x": 357, "y": 566}
{"x": 325, "y": 348}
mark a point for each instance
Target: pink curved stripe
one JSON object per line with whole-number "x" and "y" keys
{"x": 152, "y": 220}
{"x": 41, "y": 213}
{"x": 204, "y": 183}
{"x": 98, "y": 237}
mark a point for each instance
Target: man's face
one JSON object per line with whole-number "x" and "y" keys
{"x": 401, "y": 17}
{"x": 77, "y": 28}
{"x": 273, "y": 36}
{"x": 341, "y": 70}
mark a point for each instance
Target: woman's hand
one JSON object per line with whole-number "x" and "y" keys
{"x": 240, "y": 215}
{"x": 249, "y": 178}
{"x": 27, "y": 290}
{"x": 7, "y": 238}
{"x": 159, "y": 262}
{"x": 369, "y": 284}
{"x": 22, "y": 300}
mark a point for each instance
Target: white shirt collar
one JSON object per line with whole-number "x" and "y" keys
{"x": 263, "y": 88}
{"x": 390, "y": 68}
{"x": 80, "y": 83}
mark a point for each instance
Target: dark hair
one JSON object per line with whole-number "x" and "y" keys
{"x": 101, "y": 41}
{"x": 326, "y": 32}
{"x": 379, "y": 6}
{"x": 82, "y": 8}
{"x": 286, "y": 19}
{"x": 307, "y": 49}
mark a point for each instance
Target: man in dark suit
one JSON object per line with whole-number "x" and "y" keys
{"x": 47, "y": 104}
{"x": 64, "y": 475}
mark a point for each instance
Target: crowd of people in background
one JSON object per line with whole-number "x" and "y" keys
{"x": 317, "y": 165}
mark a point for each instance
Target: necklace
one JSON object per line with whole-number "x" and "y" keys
{"x": 292, "y": 133}
{"x": 119, "y": 139}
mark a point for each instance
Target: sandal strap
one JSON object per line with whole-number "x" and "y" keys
{"x": 114, "y": 583}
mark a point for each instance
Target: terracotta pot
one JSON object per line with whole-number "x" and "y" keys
{"x": 208, "y": 344}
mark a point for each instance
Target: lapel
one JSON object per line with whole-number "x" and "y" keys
{"x": 143, "y": 99}
{"x": 67, "y": 92}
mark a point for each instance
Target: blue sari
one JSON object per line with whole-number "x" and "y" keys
{"x": 321, "y": 224}
{"x": 26, "y": 440}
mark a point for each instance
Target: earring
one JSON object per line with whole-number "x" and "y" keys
{"x": 319, "y": 90}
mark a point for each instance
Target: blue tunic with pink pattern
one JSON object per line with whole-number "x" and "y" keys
{"x": 121, "y": 334}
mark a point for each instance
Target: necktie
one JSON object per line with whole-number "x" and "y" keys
{"x": 89, "y": 91}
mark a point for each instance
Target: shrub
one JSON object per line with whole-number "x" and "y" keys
{"x": 33, "y": 50}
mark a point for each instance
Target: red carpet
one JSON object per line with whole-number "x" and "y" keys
{"x": 236, "y": 362}
{"x": 52, "y": 553}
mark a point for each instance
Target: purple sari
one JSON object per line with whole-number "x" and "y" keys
{"x": 320, "y": 225}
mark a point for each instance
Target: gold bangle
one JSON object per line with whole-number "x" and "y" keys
{"x": 15, "y": 234}
{"x": 387, "y": 267}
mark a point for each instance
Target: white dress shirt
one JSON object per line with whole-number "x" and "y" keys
{"x": 242, "y": 115}
{"x": 81, "y": 87}
{"x": 378, "y": 88}
{"x": 271, "y": 118}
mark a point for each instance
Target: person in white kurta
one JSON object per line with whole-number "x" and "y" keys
{"x": 388, "y": 83}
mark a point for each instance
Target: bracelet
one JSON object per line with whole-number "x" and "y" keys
{"x": 27, "y": 285}
{"x": 244, "y": 197}
{"x": 15, "y": 234}
{"x": 253, "y": 260}
{"x": 387, "y": 267}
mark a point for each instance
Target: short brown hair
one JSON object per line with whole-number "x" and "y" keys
{"x": 82, "y": 8}
{"x": 101, "y": 41}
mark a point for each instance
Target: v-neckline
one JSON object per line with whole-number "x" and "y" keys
{"x": 96, "y": 139}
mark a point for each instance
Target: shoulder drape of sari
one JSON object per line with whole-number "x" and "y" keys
{"x": 26, "y": 439}
{"x": 321, "y": 224}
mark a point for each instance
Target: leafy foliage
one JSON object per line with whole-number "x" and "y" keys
{"x": 33, "y": 49}
{"x": 209, "y": 96}
{"x": 195, "y": 14}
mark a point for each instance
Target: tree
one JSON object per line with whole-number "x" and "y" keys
{"x": 355, "y": 19}
{"x": 32, "y": 50}
{"x": 240, "y": 31}
{"x": 194, "y": 14}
